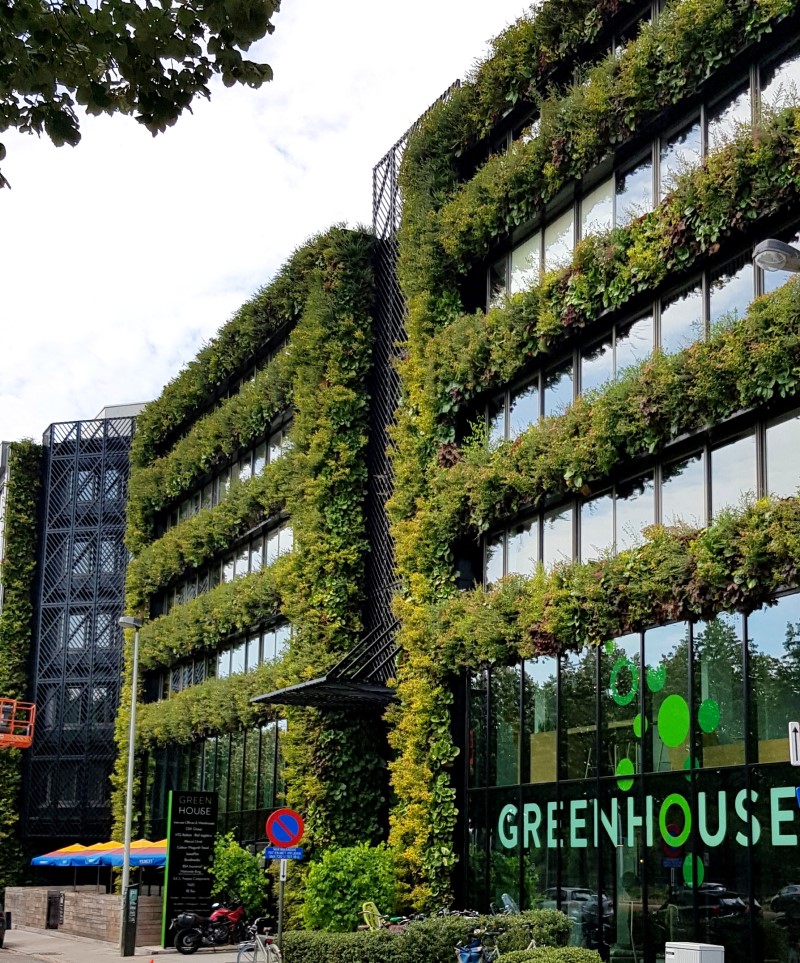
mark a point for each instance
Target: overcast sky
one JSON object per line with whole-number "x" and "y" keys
{"x": 121, "y": 257}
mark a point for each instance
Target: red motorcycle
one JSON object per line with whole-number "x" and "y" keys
{"x": 227, "y": 924}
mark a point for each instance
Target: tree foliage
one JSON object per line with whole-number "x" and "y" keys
{"x": 121, "y": 56}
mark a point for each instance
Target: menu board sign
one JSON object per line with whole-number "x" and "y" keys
{"x": 191, "y": 828}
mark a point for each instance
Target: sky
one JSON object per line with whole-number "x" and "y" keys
{"x": 120, "y": 258}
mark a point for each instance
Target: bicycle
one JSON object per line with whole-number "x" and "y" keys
{"x": 261, "y": 947}
{"x": 476, "y": 950}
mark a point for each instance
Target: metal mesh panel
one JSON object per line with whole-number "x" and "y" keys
{"x": 389, "y": 333}
{"x": 77, "y": 659}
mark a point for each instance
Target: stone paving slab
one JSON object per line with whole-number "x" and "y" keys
{"x": 55, "y": 947}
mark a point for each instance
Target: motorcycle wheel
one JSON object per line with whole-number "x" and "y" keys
{"x": 188, "y": 941}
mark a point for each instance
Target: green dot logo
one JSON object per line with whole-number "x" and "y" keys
{"x": 692, "y": 865}
{"x": 708, "y": 716}
{"x": 625, "y": 771}
{"x": 637, "y": 725}
{"x": 621, "y": 669}
{"x": 673, "y": 721}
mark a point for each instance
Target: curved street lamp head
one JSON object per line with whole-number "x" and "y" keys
{"x": 129, "y": 622}
{"x": 774, "y": 255}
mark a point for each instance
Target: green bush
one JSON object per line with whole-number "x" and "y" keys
{"x": 553, "y": 954}
{"x": 306, "y": 947}
{"x": 344, "y": 879}
{"x": 433, "y": 941}
{"x": 237, "y": 873}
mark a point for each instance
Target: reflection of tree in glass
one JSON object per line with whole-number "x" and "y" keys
{"x": 720, "y": 675}
{"x": 504, "y": 725}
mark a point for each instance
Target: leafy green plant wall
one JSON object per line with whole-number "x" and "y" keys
{"x": 17, "y": 576}
{"x": 323, "y": 298}
{"x": 446, "y": 491}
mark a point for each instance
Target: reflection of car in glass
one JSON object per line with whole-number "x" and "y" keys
{"x": 581, "y": 905}
{"x": 713, "y": 899}
{"x": 786, "y": 900}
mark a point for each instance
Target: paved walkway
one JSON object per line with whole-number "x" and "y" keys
{"x": 56, "y": 947}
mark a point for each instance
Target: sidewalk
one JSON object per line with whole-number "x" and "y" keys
{"x": 56, "y": 947}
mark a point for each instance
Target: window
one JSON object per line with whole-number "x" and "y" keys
{"x": 257, "y": 555}
{"x": 87, "y": 482}
{"x": 634, "y": 194}
{"x": 224, "y": 664}
{"x": 526, "y": 263}
{"x": 243, "y": 561}
{"x": 635, "y": 510}
{"x": 103, "y": 708}
{"x": 597, "y": 526}
{"x": 731, "y": 290}
{"x": 557, "y": 537}
{"x": 110, "y": 556}
{"x": 523, "y": 409}
{"x": 783, "y": 456}
{"x": 733, "y": 472}
{"x": 633, "y": 344}
{"x": 558, "y": 389}
{"x": 228, "y": 568}
{"x": 73, "y": 706}
{"x": 283, "y": 634}
{"x": 83, "y": 557}
{"x": 78, "y": 631}
{"x": 682, "y": 319}
{"x": 113, "y": 484}
{"x": 683, "y": 491}
{"x": 523, "y": 548}
{"x": 238, "y": 658}
{"x": 726, "y": 116}
{"x": 260, "y": 459}
{"x": 253, "y": 652}
{"x": 597, "y": 209}
{"x": 597, "y": 364}
{"x": 679, "y": 153}
{"x": 780, "y": 83}
{"x": 559, "y": 240}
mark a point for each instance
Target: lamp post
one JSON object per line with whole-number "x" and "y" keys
{"x": 129, "y": 912}
{"x": 774, "y": 255}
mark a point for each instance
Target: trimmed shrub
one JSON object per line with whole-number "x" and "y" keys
{"x": 345, "y": 878}
{"x": 553, "y": 954}
{"x": 433, "y": 941}
{"x": 304, "y": 947}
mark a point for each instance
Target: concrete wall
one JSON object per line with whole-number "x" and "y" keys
{"x": 86, "y": 913}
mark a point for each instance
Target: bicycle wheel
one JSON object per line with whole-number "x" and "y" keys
{"x": 247, "y": 953}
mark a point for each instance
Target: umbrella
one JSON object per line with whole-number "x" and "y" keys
{"x": 59, "y": 857}
{"x": 143, "y": 853}
{"x": 91, "y": 855}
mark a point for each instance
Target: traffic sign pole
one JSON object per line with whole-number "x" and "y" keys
{"x": 284, "y": 864}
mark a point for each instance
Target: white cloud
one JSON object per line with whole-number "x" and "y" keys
{"x": 121, "y": 257}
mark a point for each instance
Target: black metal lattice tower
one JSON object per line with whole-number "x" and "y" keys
{"x": 76, "y": 660}
{"x": 389, "y": 334}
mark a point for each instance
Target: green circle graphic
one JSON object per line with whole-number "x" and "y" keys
{"x": 708, "y": 715}
{"x": 675, "y": 799}
{"x": 673, "y": 721}
{"x": 609, "y": 647}
{"x": 689, "y": 864}
{"x": 627, "y": 698}
{"x": 656, "y": 678}
{"x": 637, "y": 725}
{"x": 625, "y": 771}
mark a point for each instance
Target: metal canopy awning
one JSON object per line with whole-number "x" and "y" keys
{"x": 359, "y": 679}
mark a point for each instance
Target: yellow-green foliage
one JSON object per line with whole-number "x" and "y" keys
{"x": 17, "y": 576}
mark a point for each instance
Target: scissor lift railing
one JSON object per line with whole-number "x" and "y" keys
{"x": 17, "y": 720}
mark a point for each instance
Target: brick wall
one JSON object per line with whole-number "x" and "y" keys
{"x": 86, "y": 913}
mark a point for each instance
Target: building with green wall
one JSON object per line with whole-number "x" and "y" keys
{"x": 590, "y": 393}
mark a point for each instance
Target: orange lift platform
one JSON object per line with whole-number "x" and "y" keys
{"x": 17, "y": 720}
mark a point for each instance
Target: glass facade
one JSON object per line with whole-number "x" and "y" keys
{"x": 644, "y": 787}
{"x": 245, "y": 768}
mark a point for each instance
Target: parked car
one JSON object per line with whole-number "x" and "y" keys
{"x": 787, "y": 900}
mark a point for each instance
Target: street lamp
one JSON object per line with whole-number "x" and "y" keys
{"x": 774, "y": 255}
{"x": 129, "y": 622}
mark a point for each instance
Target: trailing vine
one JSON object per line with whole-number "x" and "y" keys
{"x": 320, "y": 482}
{"x": 17, "y": 576}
